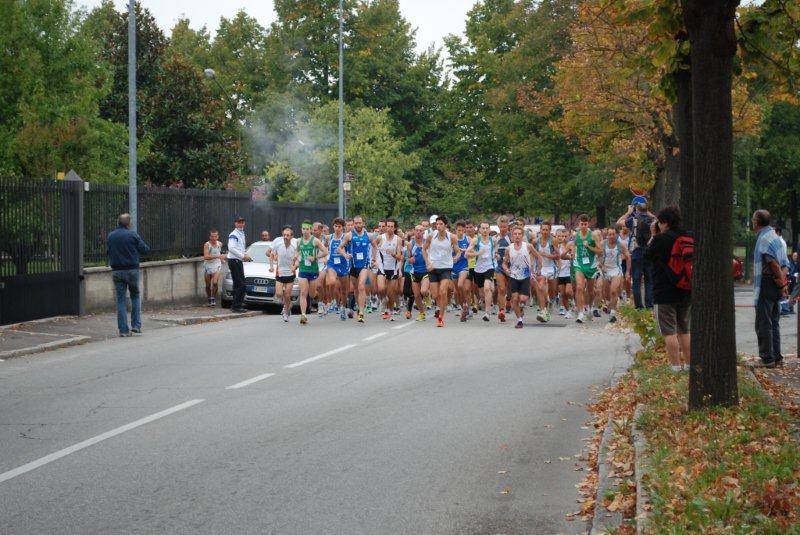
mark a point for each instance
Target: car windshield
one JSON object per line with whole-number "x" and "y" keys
{"x": 258, "y": 252}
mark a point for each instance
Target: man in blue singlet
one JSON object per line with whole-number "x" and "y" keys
{"x": 356, "y": 248}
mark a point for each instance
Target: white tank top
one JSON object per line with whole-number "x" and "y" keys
{"x": 387, "y": 249}
{"x": 547, "y": 263}
{"x": 519, "y": 261}
{"x": 485, "y": 259}
{"x": 565, "y": 265}
{"x": 440, "y": 252}
{"x": 214, "y": 263}
{"x": 611, "y": 257}
{"x": 285, "y": 256}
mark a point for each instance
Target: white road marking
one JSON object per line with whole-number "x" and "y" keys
{"x": 375, "y": 336}
{"x": 250, "y": 381}
{"x": 321, "y": 356}
{"x": 403, "y": 326}
{"x": 38, "y": 463}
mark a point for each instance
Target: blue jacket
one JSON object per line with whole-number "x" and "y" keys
{"x": 124, "y": 248}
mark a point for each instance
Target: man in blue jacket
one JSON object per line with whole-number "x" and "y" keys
{"x": 124, "y": 248}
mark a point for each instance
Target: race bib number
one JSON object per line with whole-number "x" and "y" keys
{"x": 308, "y": 262}
{"x": 337, "y": 260}
{"x": 359, "y": 256}
{"x": 586, "y": 261}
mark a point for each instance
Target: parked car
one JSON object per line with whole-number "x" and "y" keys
{"x": 259, "y": 280}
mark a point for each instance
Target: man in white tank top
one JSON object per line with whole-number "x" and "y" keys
{"x": 440, "y": 248}
{"x": 547, "y": 283}
{"x": 387, "y": 255}
{"x": 611, "y": 261}
{"x": 212, "y": 265}
{"x": 518, "y": 263}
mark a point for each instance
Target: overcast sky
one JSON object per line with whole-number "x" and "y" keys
{"x": 433, "y": 18}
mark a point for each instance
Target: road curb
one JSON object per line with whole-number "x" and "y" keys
{"x": 15, "y": 326}
{"x": 639, "y": 447}
{"x": 604, "y": 520}
{"x": 197, "y": 320}
{"x": 73, "y": 341}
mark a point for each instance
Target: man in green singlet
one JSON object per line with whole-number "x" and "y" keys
{"x": 585, "y": 248}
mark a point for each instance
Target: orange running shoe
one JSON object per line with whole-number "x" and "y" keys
{"x": 440, "y": 323}
{"x": 502, "y": 316}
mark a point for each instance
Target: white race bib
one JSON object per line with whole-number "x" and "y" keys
{"x": 337, "y": 260}
{"x": 308, "y": 262}
{"x": 359, "y": 256}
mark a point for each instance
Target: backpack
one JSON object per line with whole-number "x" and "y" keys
{"x": 641, "y": 228}
{"x": 679, "y": 267}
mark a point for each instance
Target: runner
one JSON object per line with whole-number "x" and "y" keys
{"x": 503, "y": 241}
{"x": 440, "y": 247}
{"x": 338, "y": 272}
{"x": 472, "y": 288}
{"x": 420, "y": 282}
{"x": 518, "y": 261}
{"x": 309, "y": 251}
{"x": 482, "y": 249}
{"x": 283, "y": 253}
{"x": 387, "y": 255}
{"x": 358, "y": 241}
{"x": 407, "y": 278}
{"x": 547, "y": 279}
{"x": 318, "y": 231}
{"x": 614, "y": 252}
{"x": 565, "y": 274}
{"x": 212, "y": 265}
{"x": 627, "y": 238}
{"x": 584, "y": 249}
{"x": 463, "y": 285}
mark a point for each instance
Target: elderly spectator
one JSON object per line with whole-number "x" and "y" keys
{"x": 237, "y": 247}
{"x": 769, "y": 287}
{"x": 673, "y": 304}
{"x": 124, "y": 248}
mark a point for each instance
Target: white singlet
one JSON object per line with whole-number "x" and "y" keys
{"x": 612, "y": 260}
{"x": 285, "y": 256}
{"x": 564, "y": 271}
{"x": 485, "y": 259}
{"x": 440, "y": 252}
{"x": 519, "y": 261}
{"x": 386, "y": 251}
{"x": 549, "y": 265}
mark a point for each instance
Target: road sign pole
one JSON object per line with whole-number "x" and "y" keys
{"x": 341, "y": 108}
{"x": 132, "y": 193}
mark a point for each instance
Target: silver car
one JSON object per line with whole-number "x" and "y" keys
{"x": 259, "y": 280}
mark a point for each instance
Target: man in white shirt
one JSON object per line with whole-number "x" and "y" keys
{"x": 237, "y": 245}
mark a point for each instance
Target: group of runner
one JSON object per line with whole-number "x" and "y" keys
{"x": 464, "y": 267}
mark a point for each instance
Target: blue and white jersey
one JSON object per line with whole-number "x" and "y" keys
{"x": 360, "y": 248}
{"x": 460, "y": 262}
{"x": 335, "y": 260}
{"x": 418, "y": 259}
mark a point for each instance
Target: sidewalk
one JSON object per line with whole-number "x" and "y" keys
{"x": 42, "y": 335}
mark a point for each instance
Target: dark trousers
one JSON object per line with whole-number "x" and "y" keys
{"x": 237, "y": 274}
{"x": 127, "y": 281}
{"x": 641, "y": 268}
{"x": 768, "y": 315}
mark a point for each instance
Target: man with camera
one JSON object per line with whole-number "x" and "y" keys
{"x": 638, "y": 219}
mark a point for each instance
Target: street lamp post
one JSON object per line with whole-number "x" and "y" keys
{"x": 132, "y": 190}
{"x": 341, "y": 108}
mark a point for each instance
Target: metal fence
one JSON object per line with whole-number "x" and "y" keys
{"x": 176, "y": 222}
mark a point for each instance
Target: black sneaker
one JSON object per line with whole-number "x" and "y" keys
{"x": 125, "y": 335}
{"x": 136, "y": 331}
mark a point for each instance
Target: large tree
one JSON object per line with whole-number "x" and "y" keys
{"x": 710, "y": 24}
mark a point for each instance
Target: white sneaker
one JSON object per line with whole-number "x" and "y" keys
{"x": 581, "y": 318}
{"x": 613, "y": 317}
{"x": 561, "y": 311}
{"x": 540, "y": 316}
{"x": 568, "y": 315}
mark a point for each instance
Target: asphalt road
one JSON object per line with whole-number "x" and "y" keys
{"x": 362, "y": 429}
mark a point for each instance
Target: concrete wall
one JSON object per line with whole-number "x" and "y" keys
{"x": 169, "y": 281}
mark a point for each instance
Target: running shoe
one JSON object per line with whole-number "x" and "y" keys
{"x": 350, "y": 313}
{"x": 605, "y": 309}
{"x": 303, "y": 319}
{"x": 321, "y": 311}
{"x": 547, "y": 316}
{"x": 408, "y": 314}
{"x": 486, "y": 317}
{"x": 386, "y": 315}
{"x": 474, "y": 309}
{"x": 540, "y": 316}
{"x": 440, "y": 323}
{"x": 595, "y": 313}
{"x": 502, "y": 316}
{"x": 519, "y": 324}
{"x": 360, "y": 317}
{"x": 464, "y": 315}
{"x": 369, "y": 309}
{"x": 436, "y": 314}
{"x": 421, "y": 316}
{"x": 568, "y": 315}
{"x": 342, "y": 314}
{"x": 613, "y": 317}
{"x": 561, "y": 311}
{"x": 581, "y": 318}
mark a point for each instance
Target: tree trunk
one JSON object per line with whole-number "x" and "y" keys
{"x": 682, "y": 111}
{"x": 672, "y": 178}
{"x": 657, "y": 193}
{"x": 794, "y": 216}
{"x": 713, "y": 367}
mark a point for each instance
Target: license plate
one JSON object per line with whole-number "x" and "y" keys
{"x": 263, "y": 290}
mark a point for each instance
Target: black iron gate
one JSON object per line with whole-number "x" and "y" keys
{"x": 41, "y": 251}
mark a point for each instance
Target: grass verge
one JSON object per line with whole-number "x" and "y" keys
{"x": 723, "y": 470}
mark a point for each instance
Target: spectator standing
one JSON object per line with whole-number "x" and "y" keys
{"x": 784, "y": 303}
{"x": 639, "y": 220}
{"x": 673, "y": 304}
{"x": 769, "y": 287}
{"x": 124, "y": 248}
{"x": 265, "y": 236}
{"x": 794, "y": 280}
{"x": 237, "y": 247}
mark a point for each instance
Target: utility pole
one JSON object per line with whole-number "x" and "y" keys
{"x": 132, "y": 193}
{"x": 341, "y": 108}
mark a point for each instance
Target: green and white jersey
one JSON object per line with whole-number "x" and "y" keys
{"x": 584, "y": 257}
{"x": 308, "y": 255}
